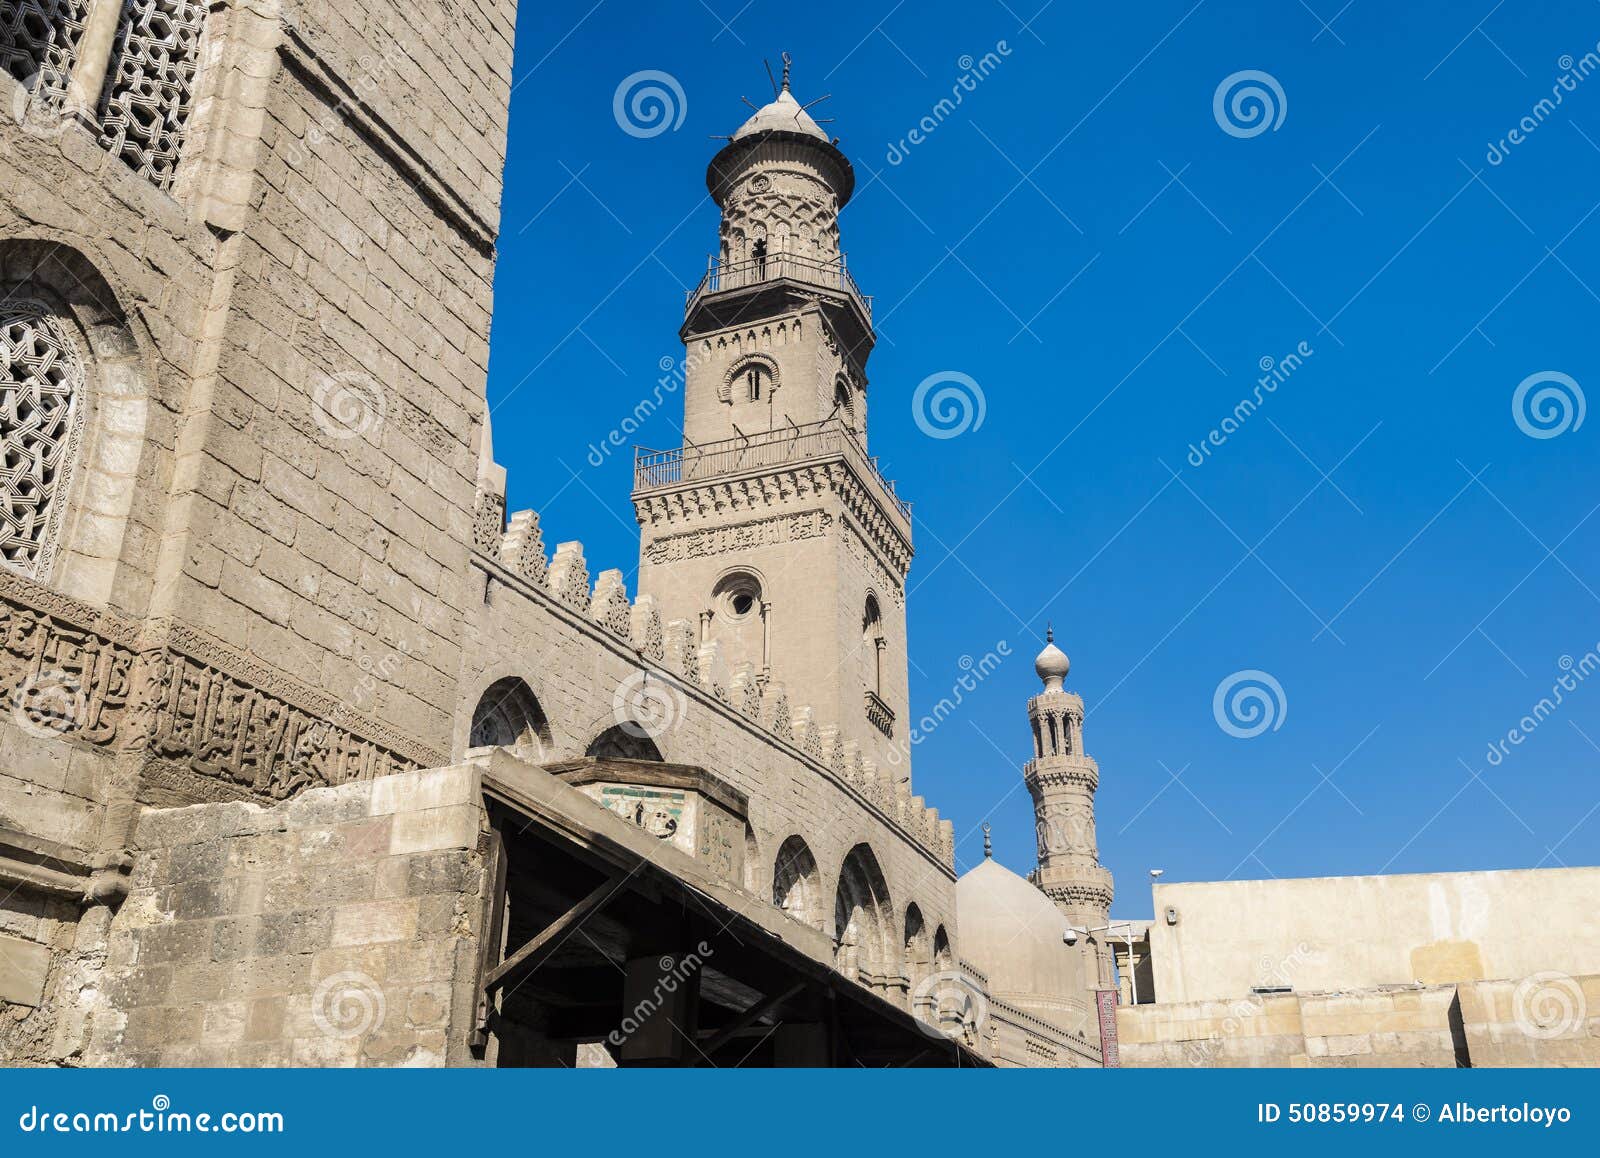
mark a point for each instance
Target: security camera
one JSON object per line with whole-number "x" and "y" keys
{"x": 1154, "y": 873}
{"x": 1070, "y": 936}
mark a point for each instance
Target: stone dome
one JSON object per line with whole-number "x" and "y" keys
{"x": 1012, "y": 933}
{"x": 783, "y": 114}
{"x": 1052, "y": 665}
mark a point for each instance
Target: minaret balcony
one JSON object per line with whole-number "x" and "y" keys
{"x": 655, "y": 470}
{"x": 756, "y": 273}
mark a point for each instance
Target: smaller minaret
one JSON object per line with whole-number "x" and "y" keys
{"x": 1062, "y": 779}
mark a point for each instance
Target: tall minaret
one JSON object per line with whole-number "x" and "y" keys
{"x": 1062, "y": 779}
{"x": 771, "y": 529}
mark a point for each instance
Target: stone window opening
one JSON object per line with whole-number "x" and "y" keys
{"x": 844, "y": 402}
{"x": 126, "y": 71}
{"x": 875, "y": 642}
{"x": 740, "y": 618}
{"x": 42, "y": 379}
{"x": 753, "y": 378}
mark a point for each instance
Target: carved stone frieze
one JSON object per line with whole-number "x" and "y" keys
{"x": 189, "y": 705}
{"x": 745, "y": 536}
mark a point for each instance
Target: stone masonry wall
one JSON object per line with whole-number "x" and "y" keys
{"x": 336, "y": 929}
{"x": 1548, "y": 1019}
{"x": 581, "y": 674}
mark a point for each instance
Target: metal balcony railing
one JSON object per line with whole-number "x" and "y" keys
{"x": 663, "y": 468}
{"x": 755, "y": 270}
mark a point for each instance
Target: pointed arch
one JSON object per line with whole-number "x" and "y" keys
{"x": 74, "y": 405}
{"x": 508, "y": 715}
{"x": 796, "y": 883}
{"x": 917, "y": 949}
{"x": 624, "y": 742}
{"x": 866, "y": 947}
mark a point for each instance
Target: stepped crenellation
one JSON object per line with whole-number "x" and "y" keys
{"x": 673, "y": 646}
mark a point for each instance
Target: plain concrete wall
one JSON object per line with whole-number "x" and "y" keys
{"x": 1332, "y": 933}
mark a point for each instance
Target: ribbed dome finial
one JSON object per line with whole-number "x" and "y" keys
{"x": 988, "y": 848}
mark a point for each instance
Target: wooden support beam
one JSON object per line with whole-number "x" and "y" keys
{"x": 529, "y": 957}
{"x": 746, "y": 1019}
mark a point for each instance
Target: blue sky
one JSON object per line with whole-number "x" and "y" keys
{"x": 1110, "y": 264}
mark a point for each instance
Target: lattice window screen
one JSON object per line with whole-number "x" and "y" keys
{"x": 41, "y": 423}
{"x": 39, "y": 43}
{"x": 146, "y": 103}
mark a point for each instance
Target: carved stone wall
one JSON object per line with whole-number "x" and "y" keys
{"x": 208, "y": 722}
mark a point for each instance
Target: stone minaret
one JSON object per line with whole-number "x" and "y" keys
{"x": 1062, "y": 779}
{"x": 771, "y": 530}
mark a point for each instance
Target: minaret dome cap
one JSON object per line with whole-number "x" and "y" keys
{"x": 1052, "y": 665}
